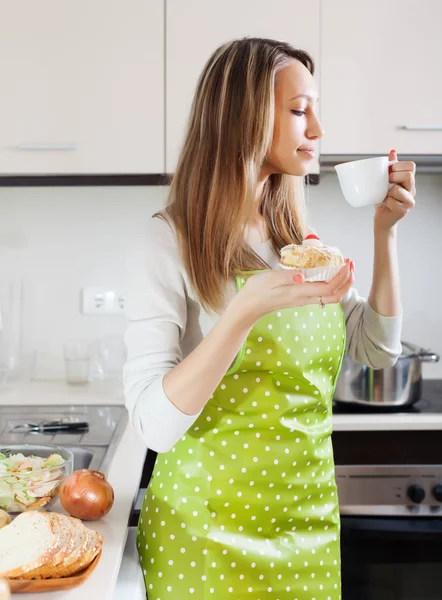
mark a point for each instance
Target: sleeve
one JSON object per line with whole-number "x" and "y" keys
{"x": 156, "y": 312}
{"x": 372, "y": 339}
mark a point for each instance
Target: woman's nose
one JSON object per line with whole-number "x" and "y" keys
{"x": 315, "y": 130}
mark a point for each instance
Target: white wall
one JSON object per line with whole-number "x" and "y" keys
{"x": 59, "y": 240}
{"x": 420, "y": 253}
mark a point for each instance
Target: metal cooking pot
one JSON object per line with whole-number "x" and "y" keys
{"x": 400, "y": 385}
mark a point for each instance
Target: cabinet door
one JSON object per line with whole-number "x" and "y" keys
{"x": 82, "y": 86}
{"x": 130, "y": 583}
{"x": 195, "y": 29}
{"x": 381, "y": 76}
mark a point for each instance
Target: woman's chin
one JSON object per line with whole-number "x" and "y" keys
{"x": 300, "y": 168}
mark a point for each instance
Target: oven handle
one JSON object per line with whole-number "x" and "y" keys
{"x": 402, "y": 525}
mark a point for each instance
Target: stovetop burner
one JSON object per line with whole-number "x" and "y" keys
{"x": 430, "y": 403}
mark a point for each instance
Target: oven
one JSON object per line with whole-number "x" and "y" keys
{"x": 390, "y": 496}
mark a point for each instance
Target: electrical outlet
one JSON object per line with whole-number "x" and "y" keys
{"x": 102, "y": 301}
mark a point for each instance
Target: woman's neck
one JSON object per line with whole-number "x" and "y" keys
{"x": 256, "y": 231}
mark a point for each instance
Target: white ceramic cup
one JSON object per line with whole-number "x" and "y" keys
{"x": 365, "y": 181}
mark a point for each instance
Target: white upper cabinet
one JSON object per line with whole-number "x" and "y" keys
{"x": 196, "y": 28}
{"x": 381, "y": 80}
{"x": 82, "y": 87}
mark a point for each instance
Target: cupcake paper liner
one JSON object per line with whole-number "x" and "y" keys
{"x": 316, "y": 273}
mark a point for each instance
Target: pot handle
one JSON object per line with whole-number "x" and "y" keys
{"x": 424, "y": 355}
{"x": 428, "y": 356}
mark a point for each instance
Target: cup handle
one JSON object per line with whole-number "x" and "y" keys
{"x": 391, "y": 162}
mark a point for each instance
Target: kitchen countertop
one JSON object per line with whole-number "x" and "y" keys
{"x": 57, "y": 392}
{"x": 390, "y": 421}
{"x": 424, "y": 415}
{"x": 127, "y": 465}
{"x": 124, "y": 475}
{"x": 38, "y": 393}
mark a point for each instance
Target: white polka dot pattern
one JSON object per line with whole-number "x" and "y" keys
{"x": 245, "y": 505}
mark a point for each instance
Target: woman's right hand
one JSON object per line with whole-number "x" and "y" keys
{"x": 275, "y": 290}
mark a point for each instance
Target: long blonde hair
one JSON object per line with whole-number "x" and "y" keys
{"x": 213, "y": 190}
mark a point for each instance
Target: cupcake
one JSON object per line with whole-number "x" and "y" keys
{"x": 312, "y": 258}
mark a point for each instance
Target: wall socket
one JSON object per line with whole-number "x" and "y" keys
{"x": 102, "y": 301}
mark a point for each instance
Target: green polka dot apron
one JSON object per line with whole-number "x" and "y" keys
{"x": 245, "y": 505}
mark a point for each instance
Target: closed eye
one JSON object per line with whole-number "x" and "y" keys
{"x": 298, "y": 113}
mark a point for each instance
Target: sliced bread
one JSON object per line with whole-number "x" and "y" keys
{"x": 5, "y": 593}
{"x": 81, "y": 543}
{"x": 65, "y": 528}
{"x": 29, "y": 542}
{"x": 93, "y": 547}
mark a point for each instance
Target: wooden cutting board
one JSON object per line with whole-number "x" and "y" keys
{"x": 24, "y": 586}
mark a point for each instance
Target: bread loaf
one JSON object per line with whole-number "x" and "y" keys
{"x": 64, "y": 526}
{"x": 29, "y": 542}
{"x": 4, "y": 590}
{"x": 46, "y": 545}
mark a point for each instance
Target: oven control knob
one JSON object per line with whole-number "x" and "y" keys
{"x": 416, "y": 493}
{"x": 437, "y": 492}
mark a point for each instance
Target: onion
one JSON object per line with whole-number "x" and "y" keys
{"x": 86, "y": 494}
{"x": 5, "y": 519}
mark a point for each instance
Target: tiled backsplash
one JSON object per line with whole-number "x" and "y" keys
{"x": 59, "y": 240}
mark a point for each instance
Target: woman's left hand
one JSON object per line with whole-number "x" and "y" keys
{"x": 400, "y": 198}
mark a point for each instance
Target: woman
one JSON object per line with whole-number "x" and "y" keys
{"x": 232, "y": 365}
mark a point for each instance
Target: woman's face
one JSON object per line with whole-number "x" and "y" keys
{"x": 297, "y": 127}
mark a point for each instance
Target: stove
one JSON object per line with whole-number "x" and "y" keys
{"x": 389, "y": 478}
{"x": 430, "y": 403}
{"x": 93, "y": 448}
{"x": 389, "y": 461}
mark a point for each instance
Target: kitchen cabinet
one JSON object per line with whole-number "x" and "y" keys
{"x": 130, "y": 583}
{"x": 380, "y": 77}
{"x": 82, "y": 87}
{"x": 195, "y": 29}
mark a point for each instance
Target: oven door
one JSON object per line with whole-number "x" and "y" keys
{"x": 391, "y": 558}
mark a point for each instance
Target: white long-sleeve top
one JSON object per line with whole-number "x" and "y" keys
{"x": 166, "y": 322}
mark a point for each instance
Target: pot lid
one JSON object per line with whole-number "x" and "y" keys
{"x": 410, "y": 350}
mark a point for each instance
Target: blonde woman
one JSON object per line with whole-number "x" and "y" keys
{"x": 231, "y": 364}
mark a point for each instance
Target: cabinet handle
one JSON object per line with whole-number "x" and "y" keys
{"x": 47, "y": 146}
{"x": 422, "y": 127}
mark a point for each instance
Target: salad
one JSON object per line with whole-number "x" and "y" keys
{"x": 29, "y": 482}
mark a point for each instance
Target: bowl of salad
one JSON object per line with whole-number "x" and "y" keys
{"x": 31, "y": 475}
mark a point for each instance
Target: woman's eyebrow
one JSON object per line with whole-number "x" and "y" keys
{"x": 309, "y": 98}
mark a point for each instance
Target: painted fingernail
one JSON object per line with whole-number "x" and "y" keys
{"x": 352, "y": 266}
{"x": 298, "y": 278}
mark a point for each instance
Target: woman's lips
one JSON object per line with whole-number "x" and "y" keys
{"x": 309, "y": 151}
